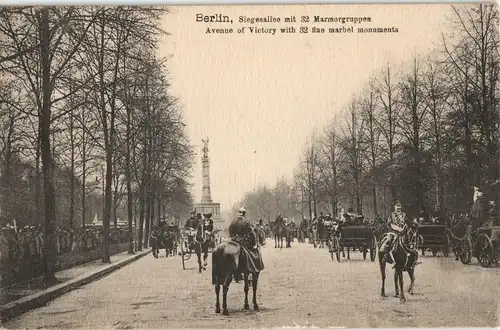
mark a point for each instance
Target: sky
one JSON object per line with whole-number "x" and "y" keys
{"x": 260, "y": 97}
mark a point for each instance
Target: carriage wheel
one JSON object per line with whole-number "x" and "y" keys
{"x": 484, "y": 251}
{"x": 465, "y": 251}
{"x": 373, "y": 249}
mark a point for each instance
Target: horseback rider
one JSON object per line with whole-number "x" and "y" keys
{"x": 241, "y": 231}
{"x": 279, "y": 221}
{"x": 396, "y": 222}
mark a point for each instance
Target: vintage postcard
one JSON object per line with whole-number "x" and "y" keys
{"x": 249, "y": 166}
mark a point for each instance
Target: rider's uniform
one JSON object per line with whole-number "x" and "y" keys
{"x": 398, "y": 220}
{"x": 279, "y": 221}
{"x": 242, "y": 232}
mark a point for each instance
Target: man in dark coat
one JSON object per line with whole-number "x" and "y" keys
{"x": 279, "y": 221}
{"x": 192, "y": 222}
{"x": 242, "y": 232}
{"x": 259, "y": 233}
{"x": 303, "y": 226}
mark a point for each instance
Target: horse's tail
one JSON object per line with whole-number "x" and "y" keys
{"x": 223, "y": 264}
{"x": 217, "y": 256}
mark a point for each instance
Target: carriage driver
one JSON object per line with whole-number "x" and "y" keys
{"x": 193, "y": 222}
{"x": 396, "y": 222}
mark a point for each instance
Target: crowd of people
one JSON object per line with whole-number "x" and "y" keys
{"x": 21, "y": 249}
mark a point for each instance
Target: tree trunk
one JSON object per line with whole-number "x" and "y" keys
{"x": 72, "y": 178}
{"x": 84, "y": 171}
{"x": 48, "y": 258}
{"x": 128, "y": 177}
{"x": 108, "y": 150}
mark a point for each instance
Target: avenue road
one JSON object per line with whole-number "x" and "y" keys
{"x": 299, "y": 286}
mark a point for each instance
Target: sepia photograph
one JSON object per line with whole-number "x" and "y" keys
{"x": 249, "y": 166}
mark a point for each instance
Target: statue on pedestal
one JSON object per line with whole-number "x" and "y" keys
{"x": 205, "y": 147}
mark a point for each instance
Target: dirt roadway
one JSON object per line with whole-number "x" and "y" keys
{"x": 300, "y": 286}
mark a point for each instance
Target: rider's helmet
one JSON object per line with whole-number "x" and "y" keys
{"x": 192, "y": 213}
{"x": 242, "y": 211}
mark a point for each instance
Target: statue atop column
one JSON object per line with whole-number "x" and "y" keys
{"x": 205, "y": 147}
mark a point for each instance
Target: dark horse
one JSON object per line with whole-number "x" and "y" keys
{"x": 228, "y": 258}
{"x": 164, "y": 239}
{"x": 198, "y": 242}
{"x": 279, "y": 232}
{"x": 404, "y": 259}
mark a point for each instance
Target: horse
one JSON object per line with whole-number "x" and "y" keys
{"x": 164, "y": 239}
{"x": 279, "y": 231}
{"x": 289, "y": 234}
{"x": 226, "y": 260}
{"x": 404, "y": 259}
{"x": 198, "y": 243}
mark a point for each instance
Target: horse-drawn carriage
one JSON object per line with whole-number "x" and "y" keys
{"x": 362, "y": 237}
{"x": 165, "y": 238}
{"x": 191, "y": 241}
{"x": 483, "y": 244}
{"x": 434, "y": 237}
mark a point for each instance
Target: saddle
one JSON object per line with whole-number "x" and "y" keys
{"x": 250, "y": 260}
{"x": 398, "y": 243}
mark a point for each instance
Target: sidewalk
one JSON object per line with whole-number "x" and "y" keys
{"x": 20, "y": 298}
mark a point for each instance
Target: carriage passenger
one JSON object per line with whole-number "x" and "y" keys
{"x": 438, "y": 216}
{"x": 423, "y": 217}
{"x": 477, "y": 213}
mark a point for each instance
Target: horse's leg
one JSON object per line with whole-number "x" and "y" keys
{"x": 401, "y": 288}
{"x": 198, "y": 255}
{"x": 411, "y": 272}
{"x": 396, "y": 283}
{"x": 275, "y": 241}
{"x": 246, "y": 288}
{"x": 382, "y": 271}
{"x": 205, "y": 254}
{"x": 217, "y": 302}
{"x": 225, "y": 289}
{"x": 348, "y": 255}
{"x": 255, "y": 280}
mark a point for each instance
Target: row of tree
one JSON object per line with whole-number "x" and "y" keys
{"x": 424, "y": 133}
{"x": 84, "y": 104}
